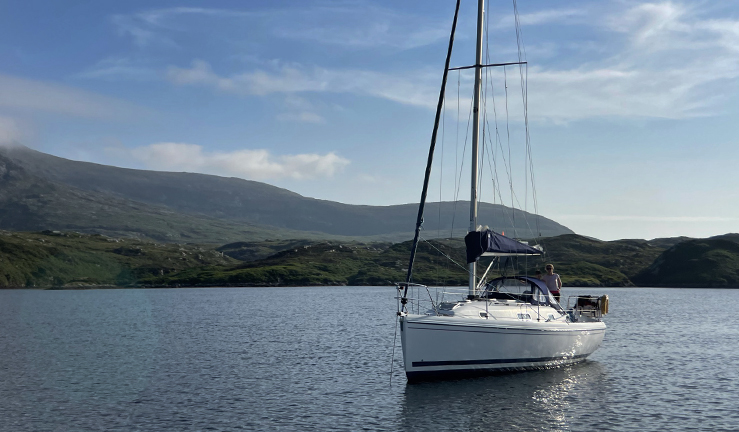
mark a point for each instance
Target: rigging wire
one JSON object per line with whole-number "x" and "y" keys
{"x": 529, "y": 162}
{"x": 441, "y": 162}
{"x": 447, "y": 256}
{"x": 456, "y": 145}
{"x": 524, "y": 76}
{"x": 492, "y": 144}
{"x": 510, "y": 160}
{"x": 441, "y": 177}
{"x": 461, "y": 168}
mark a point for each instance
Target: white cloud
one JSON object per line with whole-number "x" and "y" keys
{"x": 30, "y": 95}
{"x": 251, "y": 164}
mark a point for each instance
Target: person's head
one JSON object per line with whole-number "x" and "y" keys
{"x": 549, "y": 268}
{"x": 538, "y": 273}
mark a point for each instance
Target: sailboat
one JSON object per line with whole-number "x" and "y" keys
{"x": 507, "y": 323}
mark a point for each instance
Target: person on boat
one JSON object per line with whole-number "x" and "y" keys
{"x": 553, "y": 281}
{"x": 538, "y": 274}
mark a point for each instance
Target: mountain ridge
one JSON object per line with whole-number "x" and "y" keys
{"x": 236, "y": 201}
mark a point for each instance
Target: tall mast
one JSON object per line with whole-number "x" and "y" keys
{"x": 475, "y": 138}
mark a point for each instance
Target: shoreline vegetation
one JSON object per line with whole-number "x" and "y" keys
{"x": 71, "y": 260}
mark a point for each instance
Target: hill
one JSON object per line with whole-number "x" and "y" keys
{"x": 584, "y": 261}
{"x": 711, "y": 262}
{"x": 214, "y": 203}
{"x": 29, "y": 202}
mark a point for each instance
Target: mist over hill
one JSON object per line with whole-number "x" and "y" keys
{"x": 42, "y": 191}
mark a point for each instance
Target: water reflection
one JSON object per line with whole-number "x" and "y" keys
{"x": 536, "y": 400}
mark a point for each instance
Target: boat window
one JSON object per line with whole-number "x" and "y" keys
{"x": 524, "y": 316}
{"x": 483, "y": 314}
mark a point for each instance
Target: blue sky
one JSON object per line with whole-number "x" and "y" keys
{"x": 632, "y": 105}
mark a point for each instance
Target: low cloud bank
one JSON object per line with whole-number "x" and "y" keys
{"x": 256, "y": 164}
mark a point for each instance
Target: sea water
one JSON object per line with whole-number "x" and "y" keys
{"x": 320, "y": 359}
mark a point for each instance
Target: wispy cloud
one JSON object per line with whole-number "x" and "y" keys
{"x": 360, "y": 25}
{"x": 354, "y": 24}
{"x": 250, "y": 164}
{"x": 668, "y": 60}
{"x": 31, "y": 95}
{"x": 300, "y": 110}
{"x": 301, "y": 116}
{"x": 414, "y": 89}
{"x": 115, "y": 68}
{"x": 673, "y": 64}
{"x": 545, "y": 16}
{"x": 141, "y": 33}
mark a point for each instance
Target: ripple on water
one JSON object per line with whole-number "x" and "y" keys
{"x": 318, "y": 359}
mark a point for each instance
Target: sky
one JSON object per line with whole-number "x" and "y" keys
{"x": 632, "y": 106}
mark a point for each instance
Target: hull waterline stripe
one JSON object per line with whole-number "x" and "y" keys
{"x": 493, "y": 361}
{"x": 512, "y": 330}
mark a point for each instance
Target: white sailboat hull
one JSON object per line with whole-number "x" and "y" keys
{"x": 435, "y": 346}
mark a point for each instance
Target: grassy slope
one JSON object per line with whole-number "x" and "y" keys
{"x": 331, "y": 263}
{"x": 580, "y": 261}
{"x": 72, "y": 259}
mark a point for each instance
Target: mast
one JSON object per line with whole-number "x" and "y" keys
{"x": 475, "y": 138}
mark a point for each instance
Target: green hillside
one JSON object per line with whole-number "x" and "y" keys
{"x": 582, "y": 261}
{"x": 55, "y": 259}
{"x": 72, "y": 260}
{"x": 331, "y": 263}
{"x": 579, "y": 260}
{"x": 711, "y": 262}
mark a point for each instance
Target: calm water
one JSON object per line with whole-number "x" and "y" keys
{"x": 319, "y": 359}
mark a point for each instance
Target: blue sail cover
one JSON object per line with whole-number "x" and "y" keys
{"x": 490, "y": 243}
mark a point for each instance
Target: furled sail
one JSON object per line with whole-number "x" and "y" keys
{"x": 490, "y": 243}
